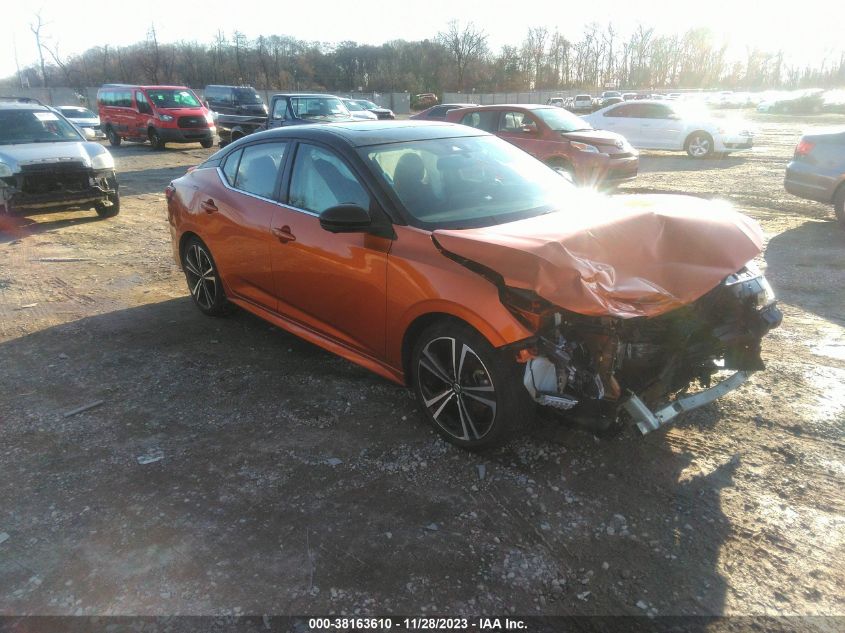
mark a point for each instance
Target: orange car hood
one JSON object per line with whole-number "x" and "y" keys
{"x": 628, "y": 256}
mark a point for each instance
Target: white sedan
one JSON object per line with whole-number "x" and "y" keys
{"x": 665, "y": 125}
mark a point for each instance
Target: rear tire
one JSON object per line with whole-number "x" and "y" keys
{"x": 471, "y": 393}
{"x": 156, "y": 141}
{"x": 839, "y": 205}
{"x": 203, "y": 279}
{"x": 699, "y": 145}
{"x": 114, "y": 139}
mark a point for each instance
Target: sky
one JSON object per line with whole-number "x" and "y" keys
{"x": 805, "y": 35}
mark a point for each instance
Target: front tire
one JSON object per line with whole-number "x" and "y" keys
{"x": 114, "y": 139}
{"x": 156, "y": 141}
{"x": 699, "y": 145}
{"x": 203, "y": 279}
{"x": 471, "y": 393}
{"x": 206, "y": 143}
{"x": 111, "y": 210}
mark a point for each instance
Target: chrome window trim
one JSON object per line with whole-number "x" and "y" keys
{"x": 226, "y": 184}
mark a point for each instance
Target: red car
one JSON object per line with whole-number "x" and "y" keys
{"x": 439, "y": 112}
{"x": 558, "y": 138}
{"x": 158, "y": 114}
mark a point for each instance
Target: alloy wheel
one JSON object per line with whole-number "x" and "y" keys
{"x": 699, "y": 146}
{"x": 202, "y": 281}
{"x": 457, "y": 389}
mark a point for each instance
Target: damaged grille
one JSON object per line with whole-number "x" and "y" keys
{"x": 56, "y": 178}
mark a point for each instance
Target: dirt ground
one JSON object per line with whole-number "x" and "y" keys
{"x": 281, "y": 479}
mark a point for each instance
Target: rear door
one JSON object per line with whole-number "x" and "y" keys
{"x": 521, "y": 129}
{"x": 240, "y": 210}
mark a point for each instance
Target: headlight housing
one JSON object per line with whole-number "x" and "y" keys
{"x": 165, "y": 117}
{"x": 584, "y": 147}
{"x": 102, "y": 161}
{"x": 5, "y": 170}
{"x": 209, "y": 117}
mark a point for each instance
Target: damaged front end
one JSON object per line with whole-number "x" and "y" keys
{"x": 604, "y": 369}
{"x": 57, "y": 186}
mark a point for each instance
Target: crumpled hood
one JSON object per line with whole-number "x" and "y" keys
{"x": 621, "y": 256}
{"x": 44, "y": 153}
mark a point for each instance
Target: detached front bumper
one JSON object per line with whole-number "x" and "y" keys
{"x": 648, "y": 421}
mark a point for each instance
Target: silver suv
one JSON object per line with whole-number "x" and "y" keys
{"x": 46, "y": 163}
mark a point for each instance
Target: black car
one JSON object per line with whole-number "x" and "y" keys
{"x": 238, "y": 100}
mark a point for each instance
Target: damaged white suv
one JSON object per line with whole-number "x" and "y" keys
{"x": 47, "y": 164}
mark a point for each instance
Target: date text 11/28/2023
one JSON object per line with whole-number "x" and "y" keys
{"x": 416, "y": 624}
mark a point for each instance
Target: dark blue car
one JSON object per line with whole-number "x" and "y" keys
{"x": 817, "y": 170}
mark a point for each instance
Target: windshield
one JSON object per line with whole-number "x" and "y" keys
{"x": 353, "y": 106}
{"x": 173, "y": 98}
{"x": 467, "y": 182}
{"x": 247, "y": 96}
{"x": 367, "y": 105}
{"x": 77, "y": 113}
{"x": 561, "y": 120}
{"x": 318, "y": 108}
{"x": 35, "y": 126}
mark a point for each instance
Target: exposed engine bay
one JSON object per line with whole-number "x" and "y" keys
{"x": 604, "y": 367}
{"x": 53, "y": 186}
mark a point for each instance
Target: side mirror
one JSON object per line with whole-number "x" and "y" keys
{"x": 346, "y": 218}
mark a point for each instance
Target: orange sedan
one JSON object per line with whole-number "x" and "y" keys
{"x": 442, "y": 257}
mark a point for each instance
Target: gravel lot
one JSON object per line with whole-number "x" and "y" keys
{"x": 233, "y": 469}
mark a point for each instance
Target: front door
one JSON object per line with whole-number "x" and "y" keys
{"x": 521, "y": 129}
{"x": 334, "y": 283}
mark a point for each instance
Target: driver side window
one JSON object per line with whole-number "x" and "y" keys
{"x": 321, "y": 180}
{"x": 280, "y": 109}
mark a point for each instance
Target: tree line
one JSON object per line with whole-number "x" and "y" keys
{"x": 458, "y": 58}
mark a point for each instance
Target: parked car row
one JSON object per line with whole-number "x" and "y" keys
{"x": 460, "y": 265}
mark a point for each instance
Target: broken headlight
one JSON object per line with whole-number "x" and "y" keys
{"x": 102, "y": 161}
{"x": 749, "y": 284}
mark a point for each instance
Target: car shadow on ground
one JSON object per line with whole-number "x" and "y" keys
{"x": 804, "y": 263}
{"x": 650, "y": 162}
{"x": 18, "y": 227}
{"x": 224, "y": 462}
{"x": 146, "y": 181}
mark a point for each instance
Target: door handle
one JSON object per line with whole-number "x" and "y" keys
{"x": 208, "y": 206}
{"x": 284, "y": 234}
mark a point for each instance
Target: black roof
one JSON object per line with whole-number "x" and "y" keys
{"x": 363, "y": 133}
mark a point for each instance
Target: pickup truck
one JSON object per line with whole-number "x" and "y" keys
{"x": 285, "y": 110}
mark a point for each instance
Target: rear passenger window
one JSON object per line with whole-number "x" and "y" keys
{"x": 321, "y": 180}
{"x": 258, "y": 168}
{"x": 230, "y": 167}
{"x": 482, "y": 120}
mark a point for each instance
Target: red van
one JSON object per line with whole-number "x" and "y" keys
{"x": 158, "y": 114}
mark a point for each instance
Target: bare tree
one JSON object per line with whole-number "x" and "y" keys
{"x": 465, "y": 44}
{"x": 36, "y": 30}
